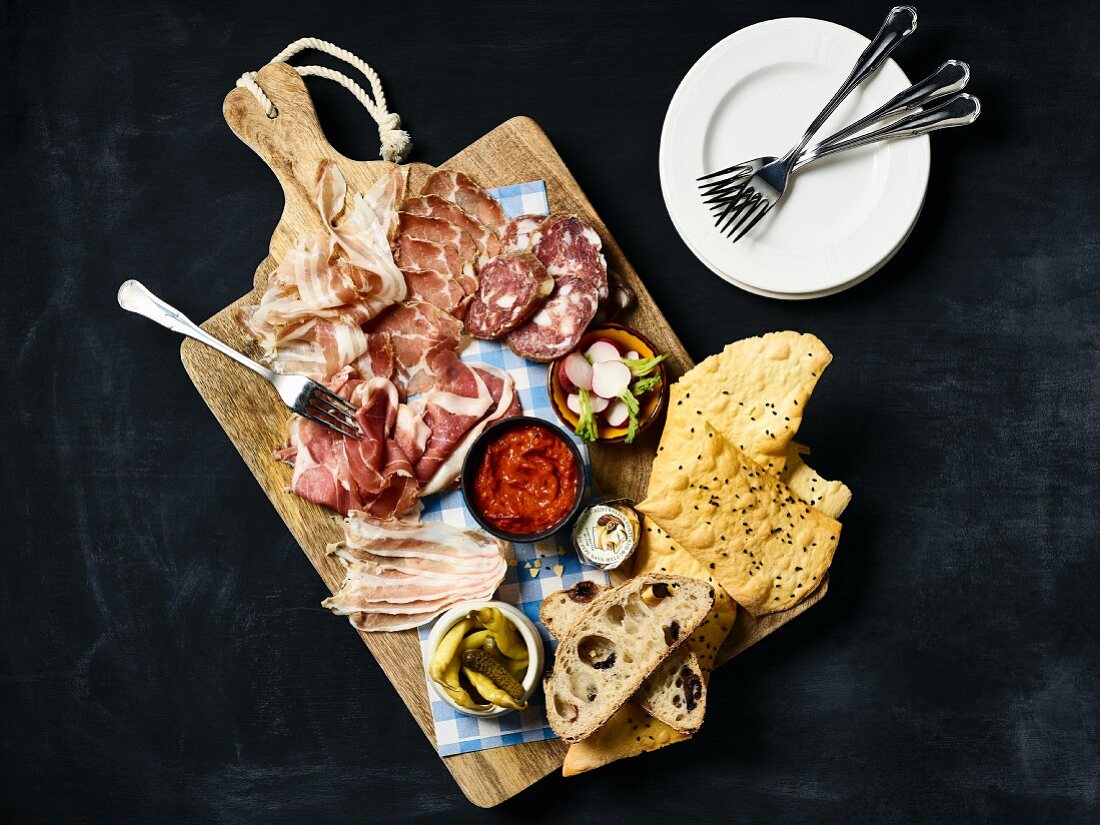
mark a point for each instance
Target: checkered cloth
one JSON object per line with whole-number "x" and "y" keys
{"x": 540, "y": 568}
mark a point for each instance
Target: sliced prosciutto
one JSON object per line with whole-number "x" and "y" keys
{"x": 433, "y": 206}
{"x": 373, "y": 474}
{"x": 416, "y": 330}
{"x": 471, "y": 198}
{"x": 400, "y": 575}
{"x": 458, "y": 401}
{"x": 506, "y": 404}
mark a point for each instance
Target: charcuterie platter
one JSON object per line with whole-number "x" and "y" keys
{"x": 295, "y": 148}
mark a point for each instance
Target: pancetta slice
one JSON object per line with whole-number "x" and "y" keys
{"x": 399, "y": 575}
{"x": 471, "y": 198}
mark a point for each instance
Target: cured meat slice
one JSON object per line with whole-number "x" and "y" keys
{"x": 557, "y": 327}
{"x": 440, "y": 231}
{"x": 459, "y": 399}
{"x": 506, "y": 403}
{"x": 471, "y": 198}
{"x": 378, "y": 361}
{"x": 384, "y": 198}
{"x": 399, "y": 575}
{"x": 416, "y": 330}
{"x": 419, "y": 255}
{"x": 364, "y": 233}
{"x": 517, "y": 235}
{"x": 437, "y": 289}
{"x": 433, "y": 206}
{"x": 512, "y": 287}
{"x": 570, "y": 247}
{"x": 372, "y": 474}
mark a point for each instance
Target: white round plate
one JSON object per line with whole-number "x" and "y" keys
{"x": 753, "y": 94}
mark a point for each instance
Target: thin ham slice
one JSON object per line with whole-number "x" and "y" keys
{"x": 372, "y": 474}
{"x": 417, "y": 254}
{"x": 458, "y": 401}
{"x": 440, "y": 231}
{"x": 471, "y": 198}
{"x": 416, "y": 329}
{"x": 433, "y": 206}
{"x": 399, "y": 575}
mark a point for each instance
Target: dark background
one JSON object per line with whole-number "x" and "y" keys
{"x": 164, "y": 654}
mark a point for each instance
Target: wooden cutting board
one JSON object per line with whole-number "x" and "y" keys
{"x": 293, "y": 144}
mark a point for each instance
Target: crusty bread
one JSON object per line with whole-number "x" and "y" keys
{"x": 619, "y": 641}
{"x": 676, "y": 693}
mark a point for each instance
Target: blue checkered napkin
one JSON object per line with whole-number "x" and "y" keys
{"x": 540, "y": 568}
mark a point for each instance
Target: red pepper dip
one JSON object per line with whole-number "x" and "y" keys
{"x": 526, "y": 481}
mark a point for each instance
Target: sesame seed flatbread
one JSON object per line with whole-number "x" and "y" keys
{"x": 753, "y": 392}
{"x": 766, "y": 547}
{"x": 830, "y": 497}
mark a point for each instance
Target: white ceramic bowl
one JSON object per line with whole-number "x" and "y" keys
{"x": 527, "y": 631}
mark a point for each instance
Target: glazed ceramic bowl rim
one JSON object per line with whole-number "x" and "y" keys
{"x": 477, "y": 450}
{"x": 662, "y": 399}
{"x": 527, "y": 630}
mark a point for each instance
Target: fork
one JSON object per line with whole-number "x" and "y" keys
{"x": 952, "y": 76}
{"x": 748, "y": 201}
{"x": 303, "y": 395}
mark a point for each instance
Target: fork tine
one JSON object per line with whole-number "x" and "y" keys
{"x": 760, "y": 214}
{"x": 744, "y": 214}
{"x": 736, "y": 209}
{"x": 734, "y": 202}
{"x": 740, "y": 167}
{"x": 331, "y": 425}
{"x": 346, "y": 420}
{"x": 338, "y": 402}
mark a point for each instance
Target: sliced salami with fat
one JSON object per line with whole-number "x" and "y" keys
{"x": 512, "y": 287}
{"x": 517, "y": 235}
{"x": 557, "y": 327}
{"x": 568, "y": 246}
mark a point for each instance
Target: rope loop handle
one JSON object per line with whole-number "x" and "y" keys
{"x": 395, "y": 140}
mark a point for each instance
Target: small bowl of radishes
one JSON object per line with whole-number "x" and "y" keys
{"x": 611, "y": 387}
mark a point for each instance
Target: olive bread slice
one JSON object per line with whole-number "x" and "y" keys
{"x": 676, "y": 693}
{"x": 618, "y": 643}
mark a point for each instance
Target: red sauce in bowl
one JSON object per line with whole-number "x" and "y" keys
{"x": 527, "y": 481}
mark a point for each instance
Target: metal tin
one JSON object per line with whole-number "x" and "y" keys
{"x": 607, "y": 533}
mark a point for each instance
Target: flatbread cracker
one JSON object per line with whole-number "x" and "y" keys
{"x": 830, "y": 497}
{"x": 630, "y": 732}
{"x": 766, "y": 547}
{"x": 753, "y": 392}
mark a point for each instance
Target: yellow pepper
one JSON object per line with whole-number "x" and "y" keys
{"x": 508, "y": 640}
{"x": 446, "y": 651}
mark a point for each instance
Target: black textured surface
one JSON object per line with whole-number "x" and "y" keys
{"x": 164, "y": 654}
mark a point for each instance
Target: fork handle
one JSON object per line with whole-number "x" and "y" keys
{"x": 899, "y": 24}
{"x": 959, "y": 110}
{"x": 134, "y": 297}
{"x": 952, "y": 76}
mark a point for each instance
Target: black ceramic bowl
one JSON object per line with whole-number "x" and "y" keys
{"x": 477, "y": 452}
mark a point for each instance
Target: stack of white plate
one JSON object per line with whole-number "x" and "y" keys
{"x": 753, "y": 94}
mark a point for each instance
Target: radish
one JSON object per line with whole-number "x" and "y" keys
{"x": 630, "y": 355}
{"x": 573, "y": 402}
{"x": 617, "y": 413}
{"x": 598, "y": 404}
{"x": 603, "y": 350}
{"x": 610, "y": 379}
{"x": 575, "y": 373}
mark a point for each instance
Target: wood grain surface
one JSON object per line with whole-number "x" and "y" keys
{"x": 293, "y": 144}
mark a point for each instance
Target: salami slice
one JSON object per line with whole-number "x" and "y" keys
{"x": 512, "y": 287}
{"x": 557, "y": 327}
{"x": 568, "y": 246}
{"x": 517, "y": 235}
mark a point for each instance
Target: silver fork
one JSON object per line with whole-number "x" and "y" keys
{"x": 303, "y": 395}
{"x": 952, "y": 76}
{"x": 748, "y": 200}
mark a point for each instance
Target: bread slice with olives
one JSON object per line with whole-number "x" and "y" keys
{"x": 621, "y": 639}
{"x": 676, "y": 693}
